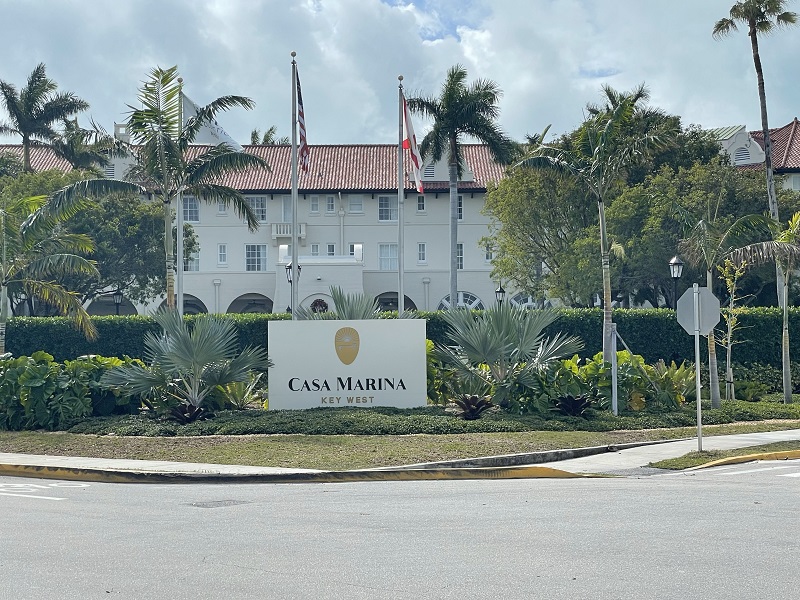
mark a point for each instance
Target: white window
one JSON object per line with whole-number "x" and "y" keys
{"x": 255, "y": 257}
{"x": 422, "y": 253}
{"x": 796, "y": 182}
{"x": 356, "y": 203}
{"x": 460, "y": 207}
{"x": 286, "y": 209}
{"x": 330, "y": 205}
{"x": 356, "y": 250}
{"x": 222, "y": 254}
{"x": 222, "y": 208}
{"x": 330, "y": 249}
{"x": 258, "y": 204}
{"x": 489, "y": 255}
{"x": 192, "y": 263}
{"x": 387, "y": 257}
{"x": 459, "y": 256}
{"x": 387, "y": 208}
{"x": 315, "y": 204}
{"x": 420, "y": 204}
{"x": 191, "y": 209}
{"x": 314, "y": 249}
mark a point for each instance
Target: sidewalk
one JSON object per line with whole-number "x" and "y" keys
{"x": 581, "y": 462}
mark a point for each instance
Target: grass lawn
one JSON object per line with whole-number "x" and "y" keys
{"x": 694, "y": 459}
{"x": 341, "y": 452}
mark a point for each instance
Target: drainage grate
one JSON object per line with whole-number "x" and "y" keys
{"x": 217, "y": 503}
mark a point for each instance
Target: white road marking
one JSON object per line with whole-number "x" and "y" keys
{"x": 755, "y": 470}
{"x": 29, "y": 496}
{"x": 788, "y": 474}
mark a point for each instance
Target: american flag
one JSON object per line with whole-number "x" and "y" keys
{"x": 303, "y": 152}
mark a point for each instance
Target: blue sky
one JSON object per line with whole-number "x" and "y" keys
{"x": 550, "y": 57}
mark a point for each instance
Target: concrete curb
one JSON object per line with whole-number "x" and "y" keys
{"x": 734, "y": 460}
{"x": 119, "y": 476}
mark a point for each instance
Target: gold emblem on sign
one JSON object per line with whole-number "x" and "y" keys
{"x": 347, "y": 342}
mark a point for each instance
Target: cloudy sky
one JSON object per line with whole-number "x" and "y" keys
{"x": 550, "y": 58}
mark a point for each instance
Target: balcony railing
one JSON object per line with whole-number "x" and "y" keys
{"x": 284, "y": 230}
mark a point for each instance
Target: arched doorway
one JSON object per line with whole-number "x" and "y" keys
{"x": 251, "y": 303}
{"x": 105, "y": 305}
{"x": 388, "y": 301}
{"x": 192, "y": 305}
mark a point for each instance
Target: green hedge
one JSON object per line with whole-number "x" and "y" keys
{"x": 653, "y": 333}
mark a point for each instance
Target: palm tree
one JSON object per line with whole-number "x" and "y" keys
{"x": 269, "y": 138}
{"x": 461, "y": 110}
{"x": 784, "y": 251}
{"x": 760, "y": 17}
{"x": 186, "y": 364}
{"x": 166, "y": 164}
{"x": 35, "y": 109}
{"x": 502, "y": 347}
{"x": 708, "y": 243}
{"x": 598, "y": 159}
{"x": 36, "y": 252}
{"x": 86, "y": 149}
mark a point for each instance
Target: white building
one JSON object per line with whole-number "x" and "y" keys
{"x": 348, "y": 233}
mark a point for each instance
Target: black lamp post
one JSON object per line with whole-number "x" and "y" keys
{"x": 117, "y": 296}
{"x": 500, "y": 294}
{"x": 675, "y": 270}
{"x": 289, "y": 279}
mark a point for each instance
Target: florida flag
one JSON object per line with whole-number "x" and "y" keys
{"x": 410, "y": 144}
{"x": 210, "y": 132}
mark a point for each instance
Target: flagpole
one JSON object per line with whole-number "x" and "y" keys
{"x": 294, "y": 283}
{"x": 401, "y": 297}
{"x": 179, "y": 217}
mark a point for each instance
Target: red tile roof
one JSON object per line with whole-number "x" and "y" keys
{"x": 785, "y": 145}
{"x": 360, "y": 167}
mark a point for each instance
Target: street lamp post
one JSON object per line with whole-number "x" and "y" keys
{"x": 500, "y": 294}
{"x": 290, "y": 308}
{"x": 675, "y": 270}
{"x": 117, "y": 296}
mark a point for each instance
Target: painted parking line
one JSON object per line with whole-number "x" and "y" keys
{"x": 756, "y": 470}
{"x": 32, "y": 490}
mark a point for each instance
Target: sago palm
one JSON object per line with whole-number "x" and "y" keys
{"x": 461, "y": 111}
{"x": 166, "y": 164}
{"x": 502, "y": 347}
{"x": 188, "y": 363}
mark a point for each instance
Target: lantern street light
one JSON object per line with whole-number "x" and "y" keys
{"x": 291, "y": 283}
{"x": 500, "y": 294}
{"x": 675, "y": 270}
{"x": 117, "y": 296}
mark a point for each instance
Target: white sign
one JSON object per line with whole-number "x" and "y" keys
{"x": 375, "y": 362}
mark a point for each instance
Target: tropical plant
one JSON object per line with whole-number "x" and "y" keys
{"x": 502, "y": 348}
{"x": 269, "y": 138}
{"x": 168, "y": 167}
{"x": 35, "y": 109}
{"x": 784, "y": 251}
{"x": 760, "y": 17}
{"x": 241, "y": 395}
{"x": 730, "y": 273}
{"x": 86, "y": 149}
{"x": 346, "y": 307}
{"x": 707, "y": 243}
{"x": 183, "y": 365}
{"x": 10, "y": 164}
{"x": 598, "y": 159}
{"x": 470, "y": 407}
{"x": 36, "y": 253}
{"x": 461, "y": 110}
{"x": 573, "y": 406}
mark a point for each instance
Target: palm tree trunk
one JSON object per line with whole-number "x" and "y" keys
{"x": 713, "y": 373}
{"x": 26, "y": 155}
{"x": 453, "y": 170}
{"x": 786, "y": 365}
{"x": 608, "y": 348}
{"x": 169, "y": 253}
{"x": 3, "y": 317}
{"x": 772, "y": 198}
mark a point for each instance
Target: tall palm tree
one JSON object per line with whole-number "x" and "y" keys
{"x": 784, "y": 251}
{"x": 35, "y": 109}
{"x": 167, "y": 166}
{"x": 269, "y": 138}
{"x": 760, "y": 17}
{"x": 598, "y": 159}
{"x": 461, "y": 110}
{"x": 36, "y": 252}
{"x": 708, "y": 243}
{"x": 86, "y": 149}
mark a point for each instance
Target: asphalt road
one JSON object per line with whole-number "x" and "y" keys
{"x": 730, "y": 532}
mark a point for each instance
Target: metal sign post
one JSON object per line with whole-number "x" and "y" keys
{"x": 696, "y": 295}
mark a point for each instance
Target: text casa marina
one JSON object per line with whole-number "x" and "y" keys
{"x": 349, "y": 384}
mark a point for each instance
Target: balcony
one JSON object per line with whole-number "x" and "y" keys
{"x": 284, "y": 230}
